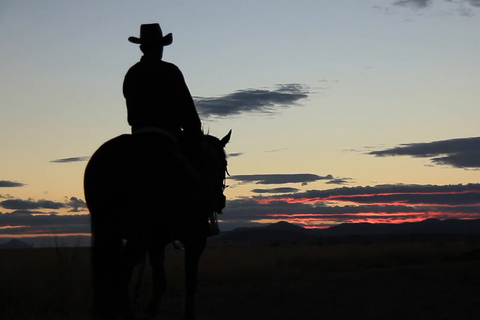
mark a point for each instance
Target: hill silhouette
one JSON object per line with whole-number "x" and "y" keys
{"x": 425, "y": 227}
{"x": 287, "y": 232}
{"x": 278, "y": 232}
{"x": 15, "y": 244}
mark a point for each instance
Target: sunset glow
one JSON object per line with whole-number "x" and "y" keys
{"x": 358, "y": 112}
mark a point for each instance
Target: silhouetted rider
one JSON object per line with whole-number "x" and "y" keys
{"x": 158, "y": 99}
{"x": 155, "y": 91}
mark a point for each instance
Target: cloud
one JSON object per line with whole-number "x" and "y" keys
{"x": 276, "y": 150}
{"x": 381, "y": 203}
{"x": 387, "y": 203}
{"x": 456, "y": 6}
{"x": 445, "y": 199}
{"x": 26, "y": 206}
{"x": 413, "y": 3}
{"x": 475, "y": 3}
{"x": 24, "y": 223}
{"x": 395, "y": 193}
{"x": 19, "y": 204}
{"x": 339, "y": 181}
{"x": 235, "y": 154}
{"x": 74, "y": 159}
{"x": 252, "y": 210}
{"x": 276, "y": 190}
{"x": 459, "y": 153}
{"x": 10, "y": 184}
{"x": 35, "y": 217}
{"x": 76, "y": 204}
{"x": 30, "y": 212}
{"x": 260, "y": 101}
{"x": 303, "y": 178}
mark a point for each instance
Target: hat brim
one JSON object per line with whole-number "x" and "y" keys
{"x": 165, "y": 41}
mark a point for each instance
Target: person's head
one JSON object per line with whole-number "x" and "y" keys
{"x": 152, "y": 40}
{"x": 152, "y": 50}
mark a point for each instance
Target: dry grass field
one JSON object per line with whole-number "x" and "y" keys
{"x": 423, "y": 280}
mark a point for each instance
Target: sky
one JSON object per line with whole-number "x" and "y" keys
{"x": 341, "y": 111}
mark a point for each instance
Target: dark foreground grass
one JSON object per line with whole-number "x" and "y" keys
{"x": 376, "y": 281}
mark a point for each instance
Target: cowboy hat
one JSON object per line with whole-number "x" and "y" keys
{"x": 152, "y": 34}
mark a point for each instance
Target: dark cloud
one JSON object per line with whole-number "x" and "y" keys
{"x": 47, "y": 230}
{"x": 19, "y": 204}
{"x": 303, "y": 178}
{"x": 276, "y": 190}
{"x": 235, "y": 154}
{"x": 475, "y": 3}
{"x": 23, "y": 223}
{"x": 459, "y": 153}
{"x": 381, "y": 203}
{"x": 10, "y": 184}
{"x": 276, "y": 150}
{"x": 398, "y": 190}
{"x": 76, "y": 204}
{"x": 414, "y": 3}
{"x": 456, "y": 6}
{"x": 260, "y": 101}
{"x": 339, "y": 181}
{"x": 26, "y": 206}
{"x": 74, "y": 159}
{"x": 251, "y": 209}
{"x": 30, "y": 212}
{"x": 470, "y": 198}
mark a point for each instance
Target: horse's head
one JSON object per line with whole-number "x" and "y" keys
{"x": 216, "y": 159}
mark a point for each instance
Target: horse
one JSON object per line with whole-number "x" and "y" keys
{"x": 141, "y": 188}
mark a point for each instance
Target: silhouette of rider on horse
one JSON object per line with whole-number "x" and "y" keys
{"x": 158, "y": 100}
{"x": 156, "y": 94}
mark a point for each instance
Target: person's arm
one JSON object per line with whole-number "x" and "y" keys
{"x": 134, "y": 87}
{"x": 191, "y": 123}
{"x": 127, "y": 93}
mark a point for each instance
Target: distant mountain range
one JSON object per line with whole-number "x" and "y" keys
{"x": 280, "y": 231}
{"x": 284, "y": 232}
{"x": 287, "y": 232}
{"x": 15, "y": 244}
{"x": 46, "y": 242}
{"x": 429, "y": 226}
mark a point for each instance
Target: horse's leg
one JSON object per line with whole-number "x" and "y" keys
{"x": 106, "y": 254}
{"x": 156, "y": 254}
{"x": 134, "y": 251}
{"x": 193, "y": 250}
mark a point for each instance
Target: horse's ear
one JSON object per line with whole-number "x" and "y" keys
{"x": 226, "y": 139}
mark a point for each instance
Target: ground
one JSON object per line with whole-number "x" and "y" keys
{"x": 407, "y": 280}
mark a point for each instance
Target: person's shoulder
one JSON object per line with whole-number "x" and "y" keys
{"x": 169, "y": 65}
{"x": 135, "y": 67}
